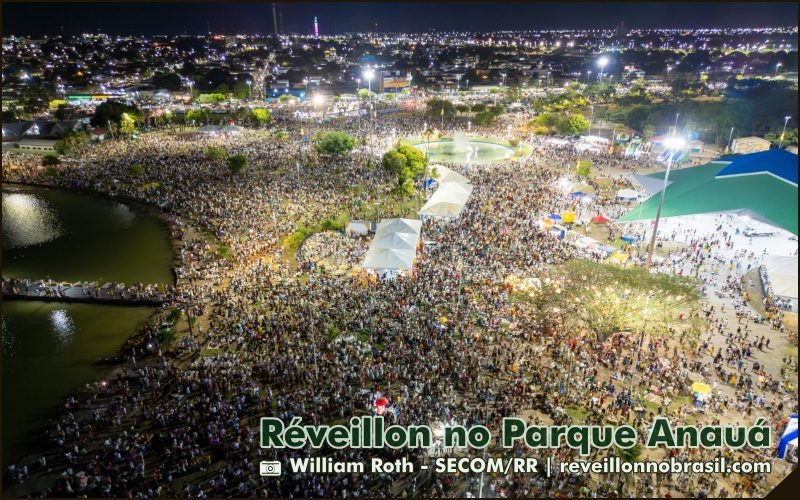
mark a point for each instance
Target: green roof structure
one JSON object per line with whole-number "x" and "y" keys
{"x": 698, "y": 190}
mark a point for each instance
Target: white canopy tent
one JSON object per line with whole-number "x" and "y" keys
{"x": 782, "y": 275}
{"x": 445, "y": 175}
{"x": 448, "y": 201}
{"x": 627, "y": 194}
{"x": 450, "y": 197}
{"x": 394, "y": 247}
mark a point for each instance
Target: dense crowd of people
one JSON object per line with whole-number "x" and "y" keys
{"x": 276, "y": 340}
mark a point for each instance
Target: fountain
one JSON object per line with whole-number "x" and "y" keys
{"x": 461, "y": 150}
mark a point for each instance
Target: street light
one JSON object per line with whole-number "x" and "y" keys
{"x": 249, "y": 89}
{"x": 785, "y": 122}
{"x": 777, "y": 66}
{"x": 504, "y": 78}
{"x": 368, "y": 74}
{"x": 467, "y": 86}
{"x": 669, "y": 68}
{"x": 602, "y": 62}
{"x": 672, "y": 144}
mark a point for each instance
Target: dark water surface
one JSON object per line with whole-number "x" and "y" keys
{"x": 50, "y": 349}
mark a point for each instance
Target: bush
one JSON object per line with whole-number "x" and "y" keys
{"x": 215, "y": 153}
{"x": 50, "y": 160}
{"x": 584, "y": 168}
{"x": 514, "y": 142}
{"x": 136, "y": 170}
{"x": 237, "y": 163}
{"x": 335, "y": 144}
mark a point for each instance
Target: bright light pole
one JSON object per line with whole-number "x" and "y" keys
{"x": 777, "y": 66}
{"x": 675, "y": 131}
{"x": 672, "y": 143}
{"x": 249, "y": 89}
{"x": 368, "y": 74}
{"x": 467, "y": 86}
{"x": 504, "y": 78}
{"x": 458, "y": 80}
{"x": 785, "y": 122}
{"x": 669, "y": 68}
{"x": 602, "y": 62}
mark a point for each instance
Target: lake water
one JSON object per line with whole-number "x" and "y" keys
{"x": 50, "y": 349}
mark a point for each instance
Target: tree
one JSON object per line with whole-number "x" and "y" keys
{"x": 484, "y": 118}
{"x": 548, "y": 121}
{"x": 213, "y": 98}
{"x": 436, "y": 107}
{"x": 168, "y": 81}
{"x": 136, "y": 170}
{"x": 127, "y": 124}
{"x": 335, "y": 144}
{"x": 215, "y": 153}
{"x": 200, "y": 115}
{"x": 241, "y": 90}
{"x": 237, "y": 163}
{"x": 415, "y": 160}
{"x": 394, "y": 162}
{"x": 573, "y": 125}
{"x": 50, "y": 160}
{"x": 584, "y": 168}
{"x": 261, "y": 116}
{"x": 285, "y": 98}
{"x": 112, "y": 112}
{"x": 71, "y": 141}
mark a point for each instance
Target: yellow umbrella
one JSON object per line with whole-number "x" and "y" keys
{"x": 568, "y": 217}
{"x": 701, "y": 388}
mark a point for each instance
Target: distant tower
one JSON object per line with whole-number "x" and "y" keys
{"x": 316, "y": 27}
{"x": 274, "y": 19}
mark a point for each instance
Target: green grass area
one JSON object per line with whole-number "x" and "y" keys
{"x": 294, "y": 241}
{"x": 578, "y": 415}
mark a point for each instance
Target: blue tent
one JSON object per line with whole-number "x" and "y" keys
{"x": 554, "y": 217}
{"x": 577, "y": 194}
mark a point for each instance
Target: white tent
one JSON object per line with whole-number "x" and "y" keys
{"x": 394, "y": 246}
{"x": 627, "y": 194}
{"x": 208, "y": 129}
{"x": 446, "y": 175}
{"x": 448, "y": 201}
{"x": 388, "y": 226}
{"x": 359, "y": 227}
{"x": 231, "y": 129}
{"x": 782, "y": 275}
{"x": 381, "y": 259}
{"x": 397, "y": 241}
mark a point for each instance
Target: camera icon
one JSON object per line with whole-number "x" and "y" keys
{"x": 270, "y": 469}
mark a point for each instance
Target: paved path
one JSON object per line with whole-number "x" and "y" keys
{"x": 108, "y": 293}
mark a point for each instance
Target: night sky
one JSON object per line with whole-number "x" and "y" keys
{"x": 195, "y": 18}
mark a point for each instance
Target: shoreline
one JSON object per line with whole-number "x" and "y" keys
{"x": 120, "y": 358}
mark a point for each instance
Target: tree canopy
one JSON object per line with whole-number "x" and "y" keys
{"x": 335, "y": 144}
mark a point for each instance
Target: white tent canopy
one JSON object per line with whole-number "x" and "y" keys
{"x": 627, "y": 194}
{"x": 208, "y": 129}
{"x": 446, "y": 175}
{"x": 394, "y": 246}
{"x": 389, "y": 259}
{"x": 448, "y": 201}
{"x": 782, "y": 275}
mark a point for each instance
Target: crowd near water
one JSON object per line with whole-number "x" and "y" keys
{"x": 272, "y": 338}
